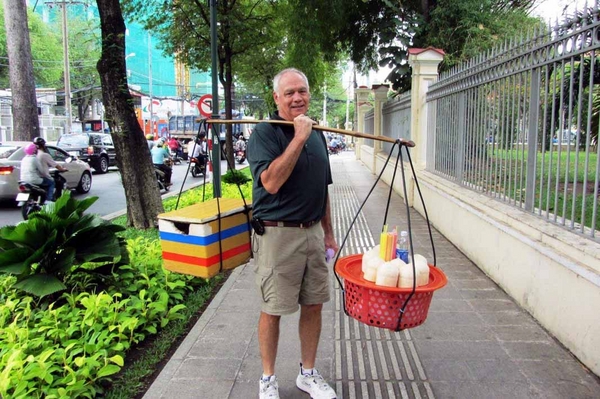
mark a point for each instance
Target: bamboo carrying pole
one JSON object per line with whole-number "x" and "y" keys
{"x": 408, "y": 143}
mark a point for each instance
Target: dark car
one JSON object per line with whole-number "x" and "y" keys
{"x": 96, "y": 149}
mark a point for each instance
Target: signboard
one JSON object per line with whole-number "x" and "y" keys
{"x": 205, "y": 105}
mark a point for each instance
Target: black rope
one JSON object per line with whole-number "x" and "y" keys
{"x": 424, "y": 208}
{"x": 387, "y": 207}
{"x": 190, "y": 165}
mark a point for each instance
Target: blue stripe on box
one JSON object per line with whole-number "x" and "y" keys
{"x": 207, "y": 240}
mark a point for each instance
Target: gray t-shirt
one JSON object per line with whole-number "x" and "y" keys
{"x": 46, "y": 162}
{"x": 303, "y": 197}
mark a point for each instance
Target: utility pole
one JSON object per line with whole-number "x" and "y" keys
{"x": 324, "y": 105}
{"x": 65, "y": 33}
{"x": 150, "y": 83}
{"x": 65, "y": 30}
{"x": 216, "y": 152}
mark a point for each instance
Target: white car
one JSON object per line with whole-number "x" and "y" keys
{"x": 79, "y": 174}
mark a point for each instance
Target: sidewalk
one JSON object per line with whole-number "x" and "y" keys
{"x": 475, "y": 343}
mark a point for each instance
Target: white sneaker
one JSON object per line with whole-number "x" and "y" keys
{"x": 315, "y": 385}
{"x": 269, "y": 389}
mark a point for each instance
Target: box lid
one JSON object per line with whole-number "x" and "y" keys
{"x": 206, "y": 211}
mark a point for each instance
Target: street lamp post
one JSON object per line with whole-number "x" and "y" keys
{"x": 216, "y": 152}
{"x": 150, "y": 82}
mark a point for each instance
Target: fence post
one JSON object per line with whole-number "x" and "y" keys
{"x": 363, "y": 106}
{"x": 380, "y": 93}
{"x": 424, "y": 64}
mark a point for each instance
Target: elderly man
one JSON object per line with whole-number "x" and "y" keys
{"x": 292, "y": 222}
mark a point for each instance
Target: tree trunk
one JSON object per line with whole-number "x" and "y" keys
{"x": 133, "y": 156}
{"x": 26, "y": 124}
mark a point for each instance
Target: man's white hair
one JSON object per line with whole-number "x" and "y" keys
{"x": 277, "y": 78}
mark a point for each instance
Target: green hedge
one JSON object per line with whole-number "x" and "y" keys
{"x": 76, "y": 344}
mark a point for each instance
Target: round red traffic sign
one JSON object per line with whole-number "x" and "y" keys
{"x": 205, "y": 105}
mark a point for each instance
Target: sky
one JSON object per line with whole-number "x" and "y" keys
{"x": 546, "y": 9}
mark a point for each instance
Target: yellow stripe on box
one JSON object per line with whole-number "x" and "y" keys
{"x": 204, "y": 271}
{"x": 204, "y": 251}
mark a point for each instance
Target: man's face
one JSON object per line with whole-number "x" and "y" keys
{"x": 292, "y": 97}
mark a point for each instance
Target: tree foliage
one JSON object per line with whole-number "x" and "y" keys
{"x": 46, "y": 51}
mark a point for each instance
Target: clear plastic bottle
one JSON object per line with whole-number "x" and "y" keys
{"x": 403, "y": 246}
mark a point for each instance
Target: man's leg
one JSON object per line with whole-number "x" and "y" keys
{"x": 309, "y": 329}
{"x": 268, "y": 340}
{"x": 49, "y": 184}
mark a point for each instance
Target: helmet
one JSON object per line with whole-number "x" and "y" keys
{"x": 39, "y": 141}
{"x": 150, "y": 136}
{"x": 30, "y": 149}
{"x": 159, "y": 143}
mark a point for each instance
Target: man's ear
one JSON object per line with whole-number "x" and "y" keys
{"x": 275, "y": 97}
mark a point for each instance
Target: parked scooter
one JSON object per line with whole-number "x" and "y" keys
{"x": 198, "y": 165}
{"x": 32, "y": 196}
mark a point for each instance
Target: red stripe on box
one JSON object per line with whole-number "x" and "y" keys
{"x": 206, "y": 262}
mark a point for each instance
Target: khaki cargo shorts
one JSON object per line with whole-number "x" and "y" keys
{"x": 290, "y": 268}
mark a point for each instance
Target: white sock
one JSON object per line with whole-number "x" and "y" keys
{"x": 266, "y": 378}
{"x": 307, "y": 371}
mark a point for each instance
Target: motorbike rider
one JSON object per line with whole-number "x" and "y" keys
{"x": 46, "y": 162}
{"x": 175, "y": 147}
{"x": 150, "y": 141}
{"x": 240, "y": 144}
{"x": 30, "y": 167}
{"x": 159, "y": 155}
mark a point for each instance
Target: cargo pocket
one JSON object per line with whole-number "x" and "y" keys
{"x": 265, "y": 282}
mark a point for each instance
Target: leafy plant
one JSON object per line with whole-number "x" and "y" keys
{"x": 235, "y": 177}
{"x": 56, "y": 241}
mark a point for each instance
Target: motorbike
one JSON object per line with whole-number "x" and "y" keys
{"x": 240, "y": 156}
{"x": 176, "y": 159}
{"x": 161, "y": 179}
{"x": 32, "y": 196}
{"x": 198, "y": 166}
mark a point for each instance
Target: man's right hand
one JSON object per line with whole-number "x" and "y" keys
{"x": 303, "y": 127}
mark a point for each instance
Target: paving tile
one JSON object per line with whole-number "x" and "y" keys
{"x": 460, "y": 350}
{"x": 203, "y": 369}
{"x": 456, "y": 305}
{"x": 507, "y": 319}
{"x": 490, "y": 293}
{"x": 449, "y": 370}
{"x": 486, "y": 370}
{"x": 182, "y": 388}
{"x": 219, "y": 348}
{"x": 535, "y": 350}
{"x": 493, "y": 305}
{"x": 549, "y": 372}
{"x": 454, "y": 318}
{"x": 441, "y": 332}
{"x": 520, "y": 333}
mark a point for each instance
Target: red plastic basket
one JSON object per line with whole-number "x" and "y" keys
{"x": 380, "y": 306}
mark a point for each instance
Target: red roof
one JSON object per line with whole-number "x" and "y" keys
{"x": 415, "y": 50}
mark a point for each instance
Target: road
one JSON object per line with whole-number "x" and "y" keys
{"x": 111, "y": 195}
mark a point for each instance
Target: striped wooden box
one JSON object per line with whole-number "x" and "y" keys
{"x": 189, "y": 237}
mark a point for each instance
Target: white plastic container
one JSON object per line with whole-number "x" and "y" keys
{"x": 371, "y": 267}
{"x": 373, "y": 252}
{"x": 388, "y": 272}
{"x": 406, "y": 273}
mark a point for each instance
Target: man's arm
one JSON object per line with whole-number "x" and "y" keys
{"x": 281, "y": 168}
{"x": 328, "y": 228}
